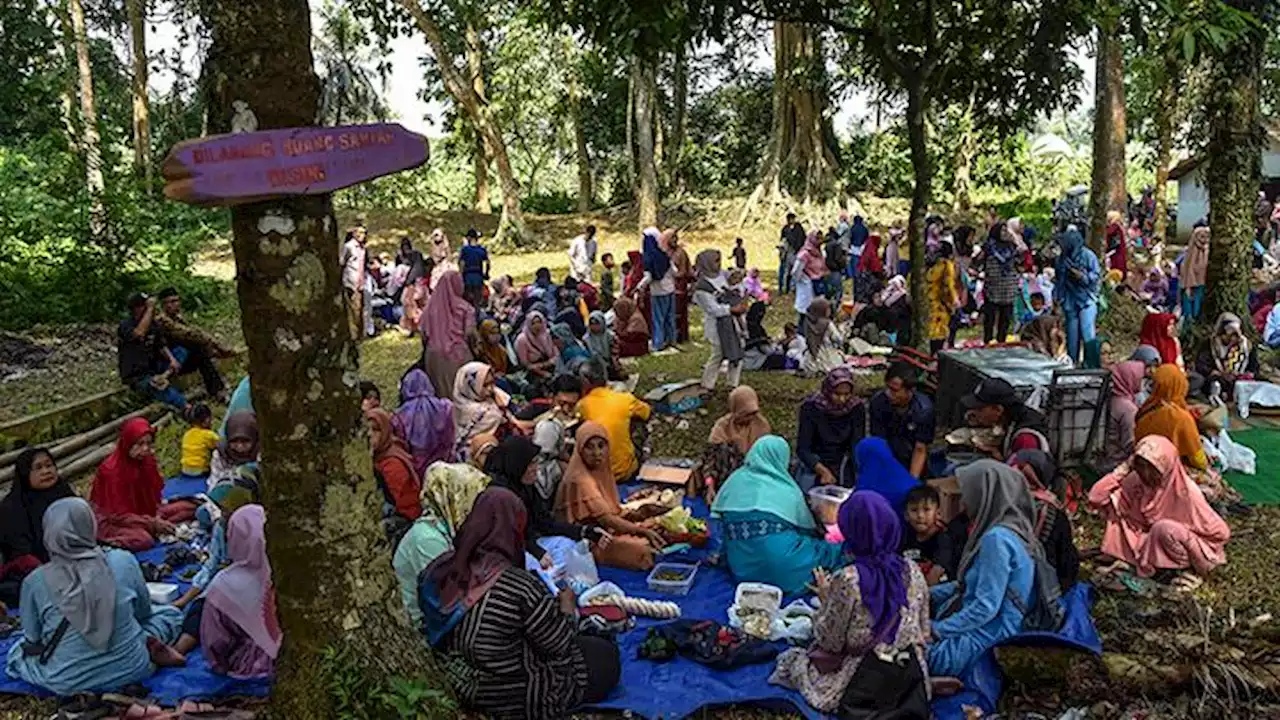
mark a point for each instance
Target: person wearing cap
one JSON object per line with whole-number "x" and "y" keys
{"x": 194, "y": 348}
{"x": 475, "y": 268}
{"x": 145, "y": 363}
{"x": 995, "y": 403}
{"x": 582, "y": 254}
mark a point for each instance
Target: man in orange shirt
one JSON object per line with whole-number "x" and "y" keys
{"x": 615, "y": 411}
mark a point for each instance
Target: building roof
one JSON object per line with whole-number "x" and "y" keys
{"x": 1270, "y": 126}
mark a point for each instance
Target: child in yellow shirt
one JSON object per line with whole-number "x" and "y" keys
{"x": 199, "y": 442}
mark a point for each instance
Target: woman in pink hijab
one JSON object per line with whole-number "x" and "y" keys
{"x": 239, "y": 631}
{"x": 1126, "y": 383}
{"x": 1157, "y": 517}
{"x": 446, "y": 324}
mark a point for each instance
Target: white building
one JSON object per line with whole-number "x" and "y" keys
{"x": 1193, "y": 197}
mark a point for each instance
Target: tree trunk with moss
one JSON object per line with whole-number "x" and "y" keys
{"x": 480, "y": 153}
{"x": 1107, "y": 191}
{"x": 922, "y": 171}
{"x": 642, "y": 72}
{"x": 1165, "y": 112}
{"x": 137, "y": 11}
{"x": 1234, "y": 173}
{"x": 90, "y": 140}
{"x": 679, "y": 116}
{"x": 586, "y": 184}
{"x": 330, "y": 559}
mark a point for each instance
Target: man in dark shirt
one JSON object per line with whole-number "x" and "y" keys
{"x": 904, "y": 418}
{"x": 192, "y": 347}
{"x": 145, "y": 363}
{"x": 792, "y": 239}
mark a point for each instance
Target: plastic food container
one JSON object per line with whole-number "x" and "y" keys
{"x": 162, "y": 593}
{"x": 758, "y": 596}
{"x": 672, "y": 578}
{"x": 825, "y": 501}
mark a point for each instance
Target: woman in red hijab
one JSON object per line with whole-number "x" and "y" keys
{"x": 127, "y": 488}
{"x": 1160, "y": 331}
{"x": 633, "y": 279}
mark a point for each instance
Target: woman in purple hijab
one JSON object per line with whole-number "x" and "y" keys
{"x": 424, "y": 421}
{"x": 873, "y": 609}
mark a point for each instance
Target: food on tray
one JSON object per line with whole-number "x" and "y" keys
{"x": 679, "y": 521}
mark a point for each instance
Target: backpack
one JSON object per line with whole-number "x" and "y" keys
{"x": 1046, "y": 613}
{"x": 836, "y": 260}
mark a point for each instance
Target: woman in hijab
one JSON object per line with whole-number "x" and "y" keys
{"x": 1052, "y": 523}
{"x": 1044, "y": 336}
{"x": 1158, "y": 518}
{"x": 1126, "y": 383}
{"x": 511, "y": 466}
{"x": 424, "y": 421}
{"x": 126, "y": 490}
{"x": 869, "y": 271}
{"x": 1227, "y": 356}
{"x": 1193, "y": 272}
{"x": 1076, "y": 290}
{"x": 999, "y": 259}
{"x": 96, "y": 604}
{"x": 505, "y": 299}
{"x": 479, "y": 406}
{"x": 943, "y": 299}
{"x": 823, "y": 339}
{"x": 1165, "y": 413}
{"x": 394, "y": 468}
{"x": 877, "y": 606}
{"x": 534, "y": 347}
{"x": 832, "y": 421}
{"x": 36, "y": 486}
{"x": 240, "y": 446}
{"x": 239, "y": 632}
{"x": 892, "y": 261}
{"x": 1160, "y": 331}
{"x": 659, "y": 284}
{"x": 770, "y": 534}
{"x": 718, "y": 327}
{"x": 510, "y": 649}
{"x": 1098, "y": 354}
{"x": 489, "y": 347}
{"x": 743, "y": 425}
{"x": 570, "y": 352}
{"x": 880, "y": 472}
{"x": 630, "y": 328}
{"x": 1156, "y": 287}
{"x": 448, "y": 494}
{"x": 812, "y": 261}
{"x": 602, "y": 343}
{"x": 1117, "y": 252}
{"x": 588, "y": 495}
{"x": 446, "y": 324}
{"x": 998, "y": 568}
{"x": 442, "y": 257}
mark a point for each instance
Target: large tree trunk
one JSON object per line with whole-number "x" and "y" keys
{"x": 1233, "y": 176}
{"x": 90, "y": 141}
{"x": 586, "y": 190}
{"x": 511, "y": 225}
{"x": 659, "y": 127}
{"x": 480, "y": 154}
{"x": 1165, "y": 112}
{"x": 642, "y": 71}
{"x": 679, "y": 116}
{"x": 965, "y": 150}
{"x": 137, "y": 11}
{"x": 1108, "y": 188}
{"x": 329, "y": 556}
{"x": 633, "y": 170}
{"x": 917, "y": 108}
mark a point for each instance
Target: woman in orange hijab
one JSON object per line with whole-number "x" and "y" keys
{"x": 1165, "y": 413}
{"x": 589, "y": 495}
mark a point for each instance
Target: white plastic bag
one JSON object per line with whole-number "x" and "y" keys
{"x": 1231, "y": 454}
{"x": 573, "y": 562}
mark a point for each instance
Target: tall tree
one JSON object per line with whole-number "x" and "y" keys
{"x": 679, "y": 114}
{"x": 137, "y": 11}
{"x": 90, "y": 140}
{"x": 643, "y": 72}
{"x": 1107, "y": 191}
{"x": 329, "y": 557}
{"x": 349, "y": 86}
{"x": 581, "y": 151}
{"x": 511, "y": 223}
{"x": 479, "y": 153}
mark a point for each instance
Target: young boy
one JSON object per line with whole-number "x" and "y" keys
{"x": 606, "y": 282}
{"x": 739, "y": 254}
{"x": 928, "y": 541}
{"x": 370, "y": 396}
{"x": 198, "y": 443}
{"x": 475, "y": 268}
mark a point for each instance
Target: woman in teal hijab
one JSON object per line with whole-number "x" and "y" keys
{"x": 1098, "y": 354}
{"x": 770, "y": 535}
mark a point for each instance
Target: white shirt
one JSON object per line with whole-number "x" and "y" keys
{"x": 804, "y": 286}
{"x": 664, "y": 286}
{"x": 712, "y": 309}
{"x": 582, "y": 256}
{"x": 352, "y": 261}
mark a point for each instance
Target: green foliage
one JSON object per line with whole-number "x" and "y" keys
{"x": 447, "y": 182}
{"x": 879, "y": 163}
{"x": 728, "y": 130}
{"x": 357, "y": 695}
{"x": 344, "y": 51}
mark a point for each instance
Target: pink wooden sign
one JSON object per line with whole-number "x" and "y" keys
{"x": 247, "y": 167}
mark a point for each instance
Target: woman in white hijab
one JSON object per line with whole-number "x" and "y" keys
{"x": 87, "y": 619}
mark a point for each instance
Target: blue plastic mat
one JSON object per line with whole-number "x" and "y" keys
{"x": 168, "y": 686}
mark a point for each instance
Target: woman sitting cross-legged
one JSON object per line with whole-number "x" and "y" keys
{"x": 36, "y": 486}
{"x": 832, "y": 421}
{"x": 1157, "y": 517}
{"x": 1002, "y": 570}
{"x": 88, "y": 624}
{"x": 510, "y": 648}
{"x": 239, "y": 632}
{"x": 873, "y": 610}
{"x": 588, "y": 494}
{"x": 126, "y": 491}
{"x": 770, "y": 534}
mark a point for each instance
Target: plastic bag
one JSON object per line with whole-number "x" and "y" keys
{"x": 575, "y": 567}
{"x": 1231, "y": 454}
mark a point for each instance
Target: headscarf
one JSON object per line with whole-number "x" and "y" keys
{"x": 386, "y": 444}
{"x": 599, "y": 344}
{"x": 1146, "y": 355}
{"x": 1126, "y": 379}
{"x": 448, "y": 317}
{"x": 656, "y": 260}
{"x": 743, "y": 402}
{"x": 587, "y": 494}
{"x": 449, "y": 490}
{"x": 124, "y": 486}
{"x": 707, "y": 264}
{"x": 815, "y": 266}
{"x": 562, "y": 332}
{"x": 1178, "y": 498}
{"x": 634, "y": 277}
{"x": 22, "y": 510}
{"x": 752, "y": 284}
{"x": 424, "y": 421}
{"x": 879, "y": 471}
{"x": 869, "y": 261}
{"x": 510, "y": 459}
{"x": 1156, "y": 284}
{"x": 764, "y": 483}
{"x": 1093, "y": 352}
{"x": 1168, "y": 385}
{"x": 894, "y": 290}
{"x": 626, "y": 319}
{"x": 1044, "y": 483}
{"x": 817, "y": 321}
{"x": 1039, "y": 335}
{"x": 1231, "y": 357}
{"x": 822, "y": 399}
{"x": 241, "y": 425}
{"x": 439, "y": 246}
{"x": 1165, "y": 413}
{"x": 1072, "y": 244}
{"x": 473, "y": 412}
{"x": 872, "y": 533}
{"x": 479, "y": 448}
{"x": 756, "y": 331}
{"x": 1155, "y": 332}
{"x": 1195, "y": 263}
{"x": 77, "y": 575}
{"x": 527, "y": 342}
{"x": 491, "y": 353}
{"x": 995, "y": 495}
{"x": 244, "y": 592}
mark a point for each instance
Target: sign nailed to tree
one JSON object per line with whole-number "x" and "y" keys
{"x": 247, "y": 167}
